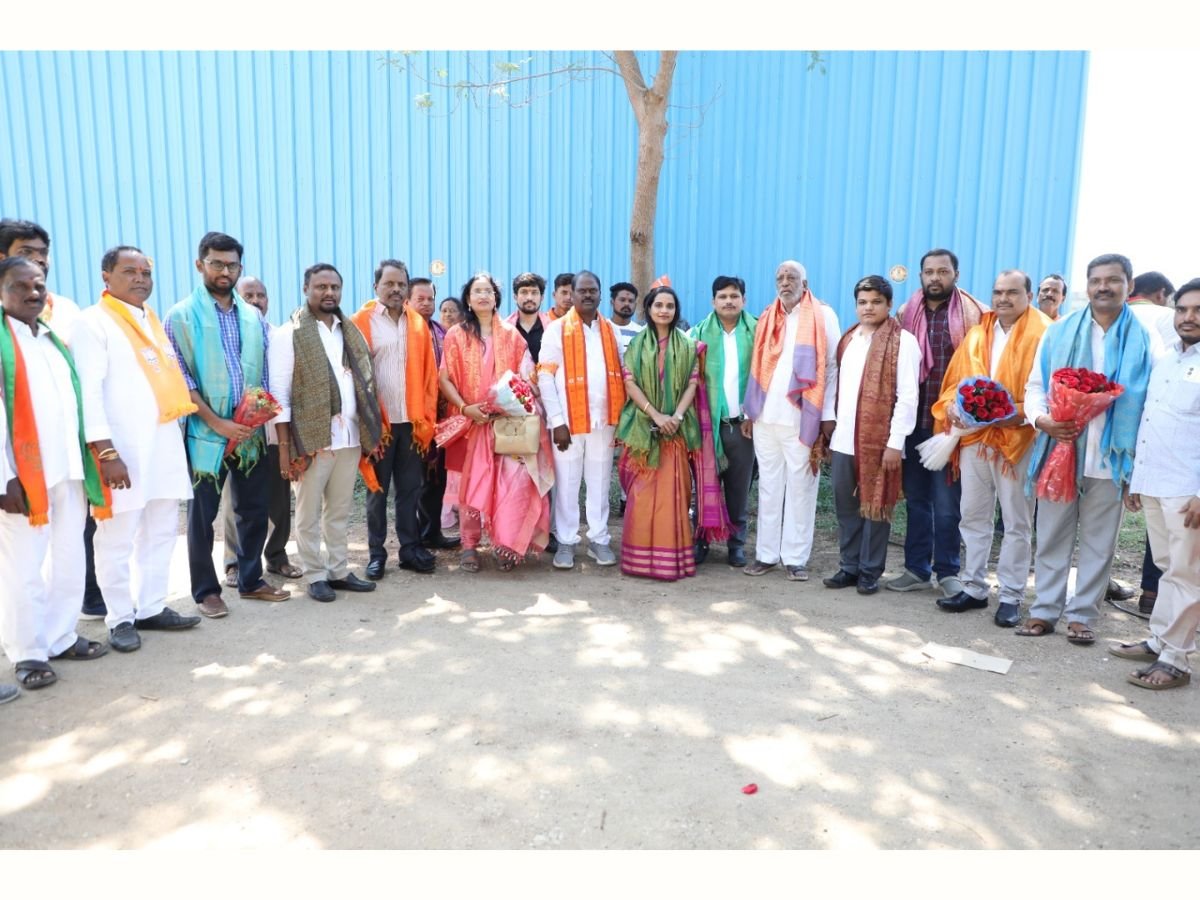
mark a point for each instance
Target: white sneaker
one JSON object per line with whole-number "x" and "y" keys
{"x": 564, "y": 556}
{"x": 602, "y": 554}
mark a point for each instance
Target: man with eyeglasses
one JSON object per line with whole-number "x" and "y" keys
{"x": 221, "y": 343}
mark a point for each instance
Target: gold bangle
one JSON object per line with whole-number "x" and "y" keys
{"x": 107, "y": 454}
{"x": 646, "y": 407}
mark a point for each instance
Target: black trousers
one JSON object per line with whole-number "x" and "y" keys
{"x": 862, "y": 543}
{"x": 91, "y": 587}
{"x": 279, "y": 516}
{"x": 401, "y": 470}
{"x": 249, "y": 493}
{"x": 735, "y": 480}
{"x": 433, "y": 493}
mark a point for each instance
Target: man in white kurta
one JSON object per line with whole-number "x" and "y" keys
{"x": 582, "y": 438}
{"x": 133, "y": 547}
{"x": 787, "y": 485}
{"x": 42, "y": 587}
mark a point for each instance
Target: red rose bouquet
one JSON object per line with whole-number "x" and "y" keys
{"x": 257, "y": 407}
{"x": 1076, "y": 395}
{"x": 511, "y": 395}
{"x": 979, "y": 402}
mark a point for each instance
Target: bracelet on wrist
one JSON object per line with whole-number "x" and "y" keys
{"x": 107, "y": 454}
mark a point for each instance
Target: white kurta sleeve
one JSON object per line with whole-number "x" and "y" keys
{"x": 1035, "y": 391}
{"x": 551, "y": 358}
{"x": 282, "y": 362}
{"x": 8, "y": 465}
{"x": 833, "y": 334}
{"x": 908, "y": 374}
{"x": 89, "y": 346}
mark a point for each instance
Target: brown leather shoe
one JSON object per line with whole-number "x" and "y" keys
{"x": 265, "y": 592}
{"x": 212, "y": 607}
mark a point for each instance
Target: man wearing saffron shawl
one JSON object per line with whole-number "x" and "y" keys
{"x": 504, "y": 495}
{"x": 1104, "y": 336}
{"x": 788, "y": 407}
{"x": 991, "y": 461}
{"x": 939, "y": 316}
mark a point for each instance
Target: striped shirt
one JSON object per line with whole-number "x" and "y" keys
{"x": 942, "y": 346}
{"x": 231, "y": 343}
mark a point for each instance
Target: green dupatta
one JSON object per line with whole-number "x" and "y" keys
{"x": 641, "y": 360}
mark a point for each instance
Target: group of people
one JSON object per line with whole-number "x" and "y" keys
{"x": 113, "y": 418}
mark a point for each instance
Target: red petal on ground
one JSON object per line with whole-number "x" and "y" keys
{"x": 750, "y": 789}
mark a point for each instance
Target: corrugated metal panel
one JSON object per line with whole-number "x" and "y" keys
{"x": 325, "y": 156}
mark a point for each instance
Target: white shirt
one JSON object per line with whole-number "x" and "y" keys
{"x": 1094, "y": 463}
{"x": 343, "y": 428}
{"x": 55, "y": 410}
{"x": 999, "y": 342}
{"x": 1155, "y": 318}
{"x": 554, "y": 387}
{"x": 389, "y": 352}
{"x": 732, "y": 381}
{"x": 1167, "y": 462}
{"x": 625, "y": 334}
{"x": 119, "y": 406}
{"x": 777, "y": 409}
{"x": 61, "y": 314}
{"x": 904, "y": 413}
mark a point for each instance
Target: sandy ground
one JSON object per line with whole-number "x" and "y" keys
{"x": 546, "y": 709}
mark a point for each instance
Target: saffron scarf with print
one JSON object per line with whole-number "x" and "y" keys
{"x": 712, "y": 333}
{"x": 155, "y": 358}
{"x": 22, "y": 428}
{"x": 575, "y": 372}
{"x": 965, "y": 313}
{"x": 193, "y": 324}
{"x": 1127, "y": 361}
{"x": 806, "y": 387}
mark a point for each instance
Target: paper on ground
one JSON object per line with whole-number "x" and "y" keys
{"x": 964, "y": 657}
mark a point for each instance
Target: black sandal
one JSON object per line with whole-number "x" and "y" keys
{"x": 83, "y": 649}
{"x": 34, "y": 674}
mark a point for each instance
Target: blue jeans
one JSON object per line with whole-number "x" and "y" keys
{"x": 933, "y": 514}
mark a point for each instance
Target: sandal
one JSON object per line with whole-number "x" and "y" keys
{"x": 34, "y": 674}
{"x": 1078, "y": 633}
{"x": 469, "y": 561}
{"x": 1178, "y": 677}
{"x": 1035, "y": 628}
{"x": 1140, "y": 651}
{"x": 83, "y": 649}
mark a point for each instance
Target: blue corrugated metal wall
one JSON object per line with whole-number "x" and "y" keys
{"x": 309, "y": 156}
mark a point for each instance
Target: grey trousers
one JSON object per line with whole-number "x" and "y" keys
{"x": 983, "y": 483}
{"x": 735, "y": 480}
{"x": 862, "y": 543}
{"x": 1095, "y": 518}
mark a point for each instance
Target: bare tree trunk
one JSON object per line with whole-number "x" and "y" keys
{"x": 650, "y": 108}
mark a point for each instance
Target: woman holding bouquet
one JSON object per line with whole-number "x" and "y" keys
{"x": 507, "y": 495}
{"x": 659, "y": 430}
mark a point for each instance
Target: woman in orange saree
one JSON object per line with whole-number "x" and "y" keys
{"x": 506, "y": 495}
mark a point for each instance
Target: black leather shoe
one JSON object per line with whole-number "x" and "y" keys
{"x": 124, "y": 638}
{"x": 419, "y": 560}
{"x": 867, "y": 584}
{"x": 552, "y": 545}
{"x": 961, "y": 602}
{"x": 1008, "y": 615}
{"x": 375, "y": 569}
{"x": 322, "y": 592}
{"x": 700, "y": 552}
{"x": 441, "y": 542}
{"x": 1118, "y": 591}
{"x": 840, "y": 579}
{"x": 167, "y": 620}
{"x": 351, "y": 583}
{"x": 737, "y": 557}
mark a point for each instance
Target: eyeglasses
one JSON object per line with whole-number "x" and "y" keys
{"x": 222, "y": 267}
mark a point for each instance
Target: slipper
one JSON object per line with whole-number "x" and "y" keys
{"x": 1035, "y": 628}
{"x": 1178, "y": 677}
{"x": 287, "y": 570}
{"x": 34, "y": 674}
{"x": 1140, "y": 651}
{"x": 469, "y": 561}
{"x": 83, "y": 649}
{"x": 1082, "y": 635}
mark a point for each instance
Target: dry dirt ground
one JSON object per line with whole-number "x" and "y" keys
{"x": 591, "y": 710}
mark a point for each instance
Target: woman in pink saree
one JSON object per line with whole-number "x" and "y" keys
{"x": 506, "y": 495}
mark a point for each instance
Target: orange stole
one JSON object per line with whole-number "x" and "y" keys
{"x": 26, "y": 449}
{"x": 768, "y": 345}
{"x": 420, "y": 373}
{"x": 575, "y": 372}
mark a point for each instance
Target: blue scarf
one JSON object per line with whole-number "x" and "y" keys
{"x": 1068, "y": 344}
{"x": 194, "y": 326}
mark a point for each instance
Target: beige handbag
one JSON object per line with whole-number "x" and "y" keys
{"x": 517, "y": 435}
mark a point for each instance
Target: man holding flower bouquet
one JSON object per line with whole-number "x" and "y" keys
{"x": 991, "y": 459}
{"x": 1108, "y": 343}
{"x": 221, "y": 343}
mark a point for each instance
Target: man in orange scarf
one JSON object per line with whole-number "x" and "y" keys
{"x": 992, "y": 460}
{"x": 406, "y": 382}
{"x": 47, "y": 479}
{"x": 134, "y": 396}
{"x": 580, "y": 381}
{"x": 788, "y": 408}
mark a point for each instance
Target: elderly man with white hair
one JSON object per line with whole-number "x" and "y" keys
{"x": 789, "y": 405}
